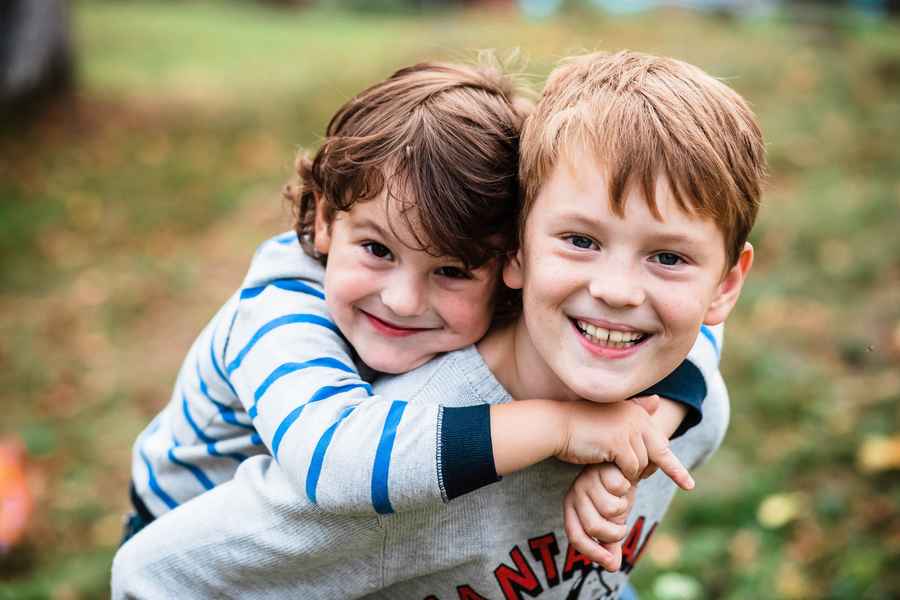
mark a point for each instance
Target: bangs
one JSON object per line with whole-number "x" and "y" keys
{"x": 439, "y": 170}
{"x": 453, "y": 202}
{"x": 643, "y": 118}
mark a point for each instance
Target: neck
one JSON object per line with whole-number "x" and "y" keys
{"x": 514, "y": 361}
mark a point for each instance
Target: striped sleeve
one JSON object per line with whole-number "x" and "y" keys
{"x": 339, "y": 443}
{"x": 690, "y": 381}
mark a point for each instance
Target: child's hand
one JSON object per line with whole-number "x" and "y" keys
{"x": 620, "y": 433}
{"x": 595, "y": 510}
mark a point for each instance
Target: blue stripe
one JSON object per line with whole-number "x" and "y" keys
{"x": 290, "y": 285}
{"x": 288, "y": 368}
{"x": 195, "y": 471}
{"x": 227, "y": 412}
{"x": 274, "y": 324}
{"x": 380, "y": 496}
{"x": 283, "y": 427}
{"x": 708, "y": 334}
{"x": 187, "y": 415}
{"x": 321, "y": 394}
{"x": 212, "y": 357}
{"x": 286, "y": 238}
{"x": 210, "y": 442}
{"x": 330, "y": 390}
{"x": 255, "y": 439}
{"x": 154, "y": 484}
{"x": 211, "y": 448}
{"x": 318, "y": 457}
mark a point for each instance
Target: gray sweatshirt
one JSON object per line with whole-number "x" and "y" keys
{"x": 254, "y": 537}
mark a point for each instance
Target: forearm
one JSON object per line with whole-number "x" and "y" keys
{"x": 668, "y": 416}
{"x": 525, "y": 432}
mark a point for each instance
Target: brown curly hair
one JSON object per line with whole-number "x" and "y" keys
{"x": 440, "y": 138}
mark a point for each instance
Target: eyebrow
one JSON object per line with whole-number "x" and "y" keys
{"x": 367, "y": 222}
{"x": 676, "y": 238}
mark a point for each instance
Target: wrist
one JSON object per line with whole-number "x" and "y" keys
{"x": 558, "y": 419}
{"x": 526, "y": 432}
{"x": 668, "y": 416}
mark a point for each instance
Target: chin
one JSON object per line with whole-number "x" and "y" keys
{"x": 600, "y": 393}
{"x": 395, "y": 367}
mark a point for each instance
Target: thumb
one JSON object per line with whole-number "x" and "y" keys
{"x": 648, "y": 403}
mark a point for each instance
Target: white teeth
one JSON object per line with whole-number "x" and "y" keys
{"x": 613, "y": 339}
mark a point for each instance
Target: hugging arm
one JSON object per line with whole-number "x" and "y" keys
{"x": 583, "y": 432}
{"x": 597, "y": 504}
{"x": 272, "y": 374}
{"x": 336, "y": 440}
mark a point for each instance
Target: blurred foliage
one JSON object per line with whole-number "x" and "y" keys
{"x": 129, "y": 213}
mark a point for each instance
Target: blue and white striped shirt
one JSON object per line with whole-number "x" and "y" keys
{"x": 271, "y": 374}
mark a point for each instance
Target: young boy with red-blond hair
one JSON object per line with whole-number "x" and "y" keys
{"x": 641, "y": 180}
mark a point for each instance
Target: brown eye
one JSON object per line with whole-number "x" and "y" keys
{"x": 453, "y": 273}
{"x": 377, "y": 250}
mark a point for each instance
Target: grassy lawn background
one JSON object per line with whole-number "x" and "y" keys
{"x": 128, "y": 216}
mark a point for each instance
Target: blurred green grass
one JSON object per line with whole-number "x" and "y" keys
{"x": 128, "y": 214}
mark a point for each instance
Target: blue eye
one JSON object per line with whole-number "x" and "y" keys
{"x": 377, "y": 250}
{"x": 453, "y": 273}
{"x": 581, "y": 241}
{"x": 668, "y": 259}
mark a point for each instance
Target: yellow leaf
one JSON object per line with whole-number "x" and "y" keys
{"x": 879, "y": 454}
{"x": 779, "y": 509}
{"x": 664, "y": 550}
{"x": 792, "y": 583}
{"x": 744, "y": 548}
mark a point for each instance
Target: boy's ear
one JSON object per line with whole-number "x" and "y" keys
{"x": 730, "y": 288}
{"x": 322, "y": 227}
{"x": 513, "y": 276}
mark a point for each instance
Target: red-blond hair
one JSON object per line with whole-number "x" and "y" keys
{"x": 642, "y": 117}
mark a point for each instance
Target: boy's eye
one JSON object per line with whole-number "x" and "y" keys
{"x": 453, "y": 273}
{"x": 377, "y": 250}
{"x": 668, "y": 259}
{"x": 581, "y": 241}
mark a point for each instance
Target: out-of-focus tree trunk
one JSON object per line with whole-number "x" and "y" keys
{"x": 36, "y": 61}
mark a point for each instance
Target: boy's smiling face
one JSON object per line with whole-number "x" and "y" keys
{"x": 398, "y": 306}
{"x": 613, "y": 304}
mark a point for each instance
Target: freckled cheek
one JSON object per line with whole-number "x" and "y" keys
{"x": 553, "y": 280}
{"x": 679, "y": 312}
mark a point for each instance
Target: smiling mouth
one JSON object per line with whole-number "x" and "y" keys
{"x": 391, "y": 329}
{"x": 610, "y": 338}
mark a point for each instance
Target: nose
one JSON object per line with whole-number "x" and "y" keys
{"x": 405, "y": 295}
{"x": 616, "y": 284}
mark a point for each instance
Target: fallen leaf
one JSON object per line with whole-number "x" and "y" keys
{"x": 744, "y": 548}
{"x": 778, "y": 510}
{"x": 676, "y": 586}
{"x": 665, "y": 550}
{"x": 16, "y": 502}
{"x": 792, "y": 583}
{"x": 878, "y": 454}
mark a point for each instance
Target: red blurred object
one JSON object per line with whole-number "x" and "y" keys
{"x": 16, "y": 502}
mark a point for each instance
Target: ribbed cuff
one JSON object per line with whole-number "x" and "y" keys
{"x": 686, "y": 385}
{"x": 467, "y": 455}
